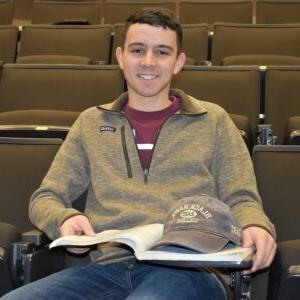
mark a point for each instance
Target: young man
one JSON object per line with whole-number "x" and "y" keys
{"x": 137, "y": 157}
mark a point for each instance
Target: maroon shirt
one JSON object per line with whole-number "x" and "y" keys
{"x": 146, "y": 126}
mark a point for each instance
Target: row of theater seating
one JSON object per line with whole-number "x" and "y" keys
{"x": 230, "y": 44}
{"x": 112, "y": 11}
{"x": 24, "y": 163}
{"x": 53, "y": 95}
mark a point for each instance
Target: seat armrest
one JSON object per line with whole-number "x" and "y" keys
{"x": 42, "y": 262}
{"x": 35, "y": 237}
{"x": 8, "y": 235}
{"x": 32, "y": 259}
{"x": 240, "y": 285}
{"x": 284, "y": 278}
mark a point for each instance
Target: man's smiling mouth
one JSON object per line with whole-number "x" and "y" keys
{"x": 147, "y": 76}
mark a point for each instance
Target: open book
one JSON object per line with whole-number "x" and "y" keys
{"x": 142, "y": 238}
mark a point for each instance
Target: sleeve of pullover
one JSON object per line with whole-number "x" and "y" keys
{"x": 67, "y": 178}
{"x": 235, "y": 179}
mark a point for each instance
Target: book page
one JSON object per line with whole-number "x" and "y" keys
{"x": 139, "y": 238}
{"x": 236, "y": 254}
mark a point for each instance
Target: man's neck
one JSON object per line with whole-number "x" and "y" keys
{"x": 148, "y": 103}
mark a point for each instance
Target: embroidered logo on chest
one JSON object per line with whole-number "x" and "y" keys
{"x": 107, "y": 128}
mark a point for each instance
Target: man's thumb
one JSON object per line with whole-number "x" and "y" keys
{"x": 87, "y": 228}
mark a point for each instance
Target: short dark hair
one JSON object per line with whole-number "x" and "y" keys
{"x": 159, "y": 17}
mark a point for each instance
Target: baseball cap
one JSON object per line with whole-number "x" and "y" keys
{"x": 201, "y": 223}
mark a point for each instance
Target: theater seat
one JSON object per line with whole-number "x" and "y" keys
{"x": 50, "y": 12}
{"x": 277, "y": 171}
{"x": 236, "y": 89}
{"x": 91, "y": 41}
{"x": 247, "y": 39}
{"x": 44, "y": 100}
{"x": 260, "y": 60}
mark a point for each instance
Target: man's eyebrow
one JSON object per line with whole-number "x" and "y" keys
{"x": 165, "y": 47}
{"x": 134, "y": 44}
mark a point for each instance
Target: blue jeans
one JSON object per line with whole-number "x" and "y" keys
{"x": 128, "y": 279}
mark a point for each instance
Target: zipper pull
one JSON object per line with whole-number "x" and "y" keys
{"x": 146, "y": 172}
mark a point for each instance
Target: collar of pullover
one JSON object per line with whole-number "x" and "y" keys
{"x": 189, "y": 105}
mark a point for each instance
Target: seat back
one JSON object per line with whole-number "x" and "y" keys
{"x": 58, "y": 87}
{"x": 92, "y": 41}
{"x": 6, "y": 12}
{"x": 8, "y": 41}
{"x": 236, "y": 89}
{"x": 238, "y": 39}
{"x": 49, "y": 12}
{"x": 208, "y": 11}
{"x": 24, "y": 163}
{"x": 277, "y": 11}
{"x": 23, "y": 10}
{"x": 261, "y": 60}
{"x": 117, "y": 11}
{"x": 195, "y": 41}
{"x": 282, "y": 97}
{"x": 277, "y": 171}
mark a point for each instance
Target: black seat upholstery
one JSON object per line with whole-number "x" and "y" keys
{"x": 11, "y": 235}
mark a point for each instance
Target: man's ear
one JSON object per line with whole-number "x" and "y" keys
{"x": 119, "y": 55}
{"x": 179, "y": 62}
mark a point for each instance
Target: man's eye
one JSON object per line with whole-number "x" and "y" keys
{"x": 163, "y": 53}
{"x": 137, "y": 51}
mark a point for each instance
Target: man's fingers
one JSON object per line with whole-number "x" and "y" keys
{"x": 87, "y": 227}
{"x": 67, "y": 230}
{"x": 260, "y": 255}
{"x": 265, "y": 247}
{"x": 271, "y": 255}
{"x": 78, "y": 250}
{"x": 79, "y": 224}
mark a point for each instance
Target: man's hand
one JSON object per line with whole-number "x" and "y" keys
{"x": 77, "y": 225}
{"x": 265, "y": 247}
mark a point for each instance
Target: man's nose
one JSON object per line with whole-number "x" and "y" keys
{"x": 149, "y": 59}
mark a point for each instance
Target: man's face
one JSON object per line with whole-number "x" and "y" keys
{"x": 149, "y": 60}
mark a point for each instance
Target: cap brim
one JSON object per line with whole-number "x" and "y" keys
{"x": 195, "y": 240}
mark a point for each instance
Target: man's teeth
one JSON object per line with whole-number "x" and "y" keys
{"x": 148, "y": 77}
